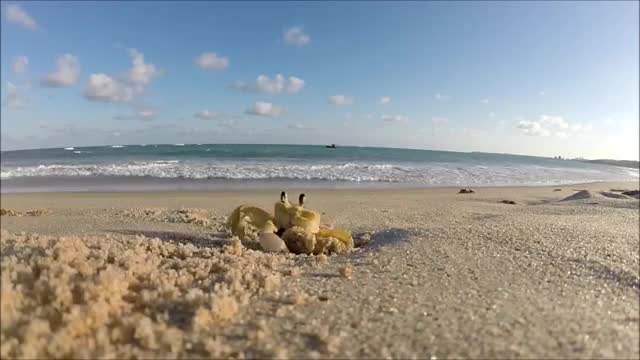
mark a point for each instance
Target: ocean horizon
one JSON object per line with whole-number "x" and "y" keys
{"x": 249, "y": 166}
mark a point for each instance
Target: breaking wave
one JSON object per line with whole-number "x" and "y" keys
{"x": 427, "y": 174}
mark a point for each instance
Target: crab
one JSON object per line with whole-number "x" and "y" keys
{"x": 299, "y": 229}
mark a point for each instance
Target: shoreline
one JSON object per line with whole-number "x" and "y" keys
{"x": 132, "y": 184}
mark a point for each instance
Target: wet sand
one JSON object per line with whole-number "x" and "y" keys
{"x": 445, "y": 275}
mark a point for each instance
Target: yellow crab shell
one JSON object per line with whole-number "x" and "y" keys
{"x": 245, "y": 221}
{"x": 333, "y": 241}
{"x": 299, "y": 241}
{"x": 307, "y": 219}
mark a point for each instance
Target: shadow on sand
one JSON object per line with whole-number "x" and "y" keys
{"x": 388, "y": 237}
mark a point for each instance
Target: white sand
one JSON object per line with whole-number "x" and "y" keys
{"x": 443, "y": 275}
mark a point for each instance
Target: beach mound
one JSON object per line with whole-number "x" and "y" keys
{"x": 600, "y": 197}
{"x": 580, "y": 195}
{"x": 612, "y": 195}
{"x": 126, "y": 296}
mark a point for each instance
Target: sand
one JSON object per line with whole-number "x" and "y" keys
{"x": 437, "y": 275}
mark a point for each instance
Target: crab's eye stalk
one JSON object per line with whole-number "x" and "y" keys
{"x": 301, "y": 199}
{"x": 283, "y": 196}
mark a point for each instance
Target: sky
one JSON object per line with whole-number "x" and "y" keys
{"x": 534, "y": 78}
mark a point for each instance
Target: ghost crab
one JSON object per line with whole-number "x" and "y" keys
{"x": 292, "y": 228}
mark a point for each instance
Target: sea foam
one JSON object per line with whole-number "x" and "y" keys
{"x": 440, "y": 174}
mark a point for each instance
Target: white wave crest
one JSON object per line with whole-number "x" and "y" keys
{"x": 436, "y": 175}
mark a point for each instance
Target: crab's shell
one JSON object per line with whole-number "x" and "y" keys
{"x": 333, "y": 241}
{"x": 245, "y": 221}
{"x": 299, "y": 241}
{"x": 307, "y": 219}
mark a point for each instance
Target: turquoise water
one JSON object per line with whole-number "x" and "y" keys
{"x": 256, "y": 152}
{"x": 318, "y": 164}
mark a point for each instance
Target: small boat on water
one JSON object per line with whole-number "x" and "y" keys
{"x": 332, "y": 146}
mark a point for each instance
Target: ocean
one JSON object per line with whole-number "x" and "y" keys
{"x": 219, "y": 167}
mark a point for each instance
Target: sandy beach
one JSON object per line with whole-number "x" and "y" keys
{"x": 437, "y": 275}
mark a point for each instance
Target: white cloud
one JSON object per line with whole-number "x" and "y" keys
{"x": 15, "y": 14}
{"x": 277, "y": 85}
{"x": 341, "y": 100}
{"x": 385, "y": 100}
{"x": 265, "y": 109}
{"x": 106, "y": 88}
{"x": 492, "y": 114}
{"x": 140, "y": 73}
{"x": 541, "y": 93}
{"x": 547, "y": 124}
{"x": 211, "y": 61}
{"x": 205, "y": 115}
{"x": 439, "y": 120}
{"x": 102, "y": 87}
{"x": 296, "y": 36}
{"x": 296, "y": 127}
{"x": 532, "y": 128}
{"x": 553, "y": 121}
{"x": 441, "y": 97}
{"x": 66, "y": 73}
{"x": 15, "y": 99}
{"x": 20, "y": 65}
{"x": 485, "y": 101}
{"x": 394, "y": 118}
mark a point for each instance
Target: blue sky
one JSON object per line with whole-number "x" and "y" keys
{"x": 539, "y": 78}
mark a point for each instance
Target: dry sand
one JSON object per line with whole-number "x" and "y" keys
{"x": 444, "y": 275}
